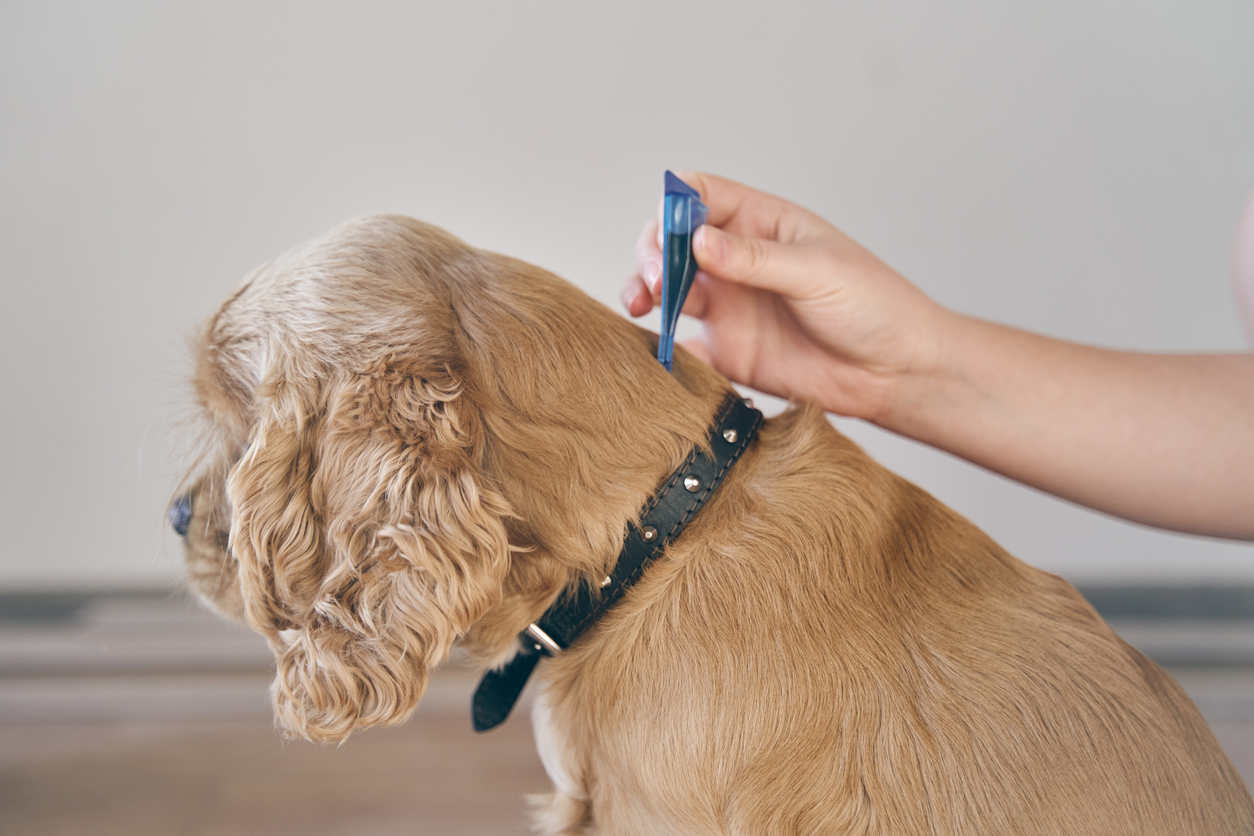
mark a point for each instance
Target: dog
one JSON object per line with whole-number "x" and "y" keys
{"x": 412, "y": 445}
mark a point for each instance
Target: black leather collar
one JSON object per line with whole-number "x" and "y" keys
{"x": 662, "y": 519}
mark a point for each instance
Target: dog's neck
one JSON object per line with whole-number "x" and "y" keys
{"x": 660, "y": 521}
{"x": 576, "y": 444}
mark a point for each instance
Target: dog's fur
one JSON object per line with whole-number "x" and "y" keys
{"x": 415, "y": 444}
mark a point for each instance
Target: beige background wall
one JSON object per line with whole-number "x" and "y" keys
{"x": 1071, "y": 167}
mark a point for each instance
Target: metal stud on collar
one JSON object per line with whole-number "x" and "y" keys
{"x": 606, "y": 582}
{"x": 729, "y": 435}
{"x": 692, "y": 483}
{"x": 649, "y": 533}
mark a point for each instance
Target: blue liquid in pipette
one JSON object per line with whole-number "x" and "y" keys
{"x": 683, "y": 212}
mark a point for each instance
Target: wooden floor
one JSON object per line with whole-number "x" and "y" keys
{"x": 430, "y": 776}
{"x": 142, "y": 715}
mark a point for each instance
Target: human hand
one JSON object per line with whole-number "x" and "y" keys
{"x": 794, "y": 307}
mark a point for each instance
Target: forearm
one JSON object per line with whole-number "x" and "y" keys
{"x": 1166, "y": 440}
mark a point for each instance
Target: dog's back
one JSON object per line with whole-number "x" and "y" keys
{"x": 831, "y": 650}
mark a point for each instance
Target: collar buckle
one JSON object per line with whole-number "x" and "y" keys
{"x": 544, "y": 642}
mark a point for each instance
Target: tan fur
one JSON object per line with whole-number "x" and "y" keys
{"x": 417, "y": 445}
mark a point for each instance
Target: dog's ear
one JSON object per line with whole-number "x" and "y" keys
{"x": 367, "y": 538}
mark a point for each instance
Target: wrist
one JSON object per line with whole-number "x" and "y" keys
{"x": 917, "y": 395}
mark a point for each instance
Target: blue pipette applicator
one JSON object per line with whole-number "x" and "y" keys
{"x": 682, "y": 213}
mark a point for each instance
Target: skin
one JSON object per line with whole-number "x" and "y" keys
{"x": 794, "y": 307}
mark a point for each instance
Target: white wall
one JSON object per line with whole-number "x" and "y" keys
{"x": 1072, "y": 167}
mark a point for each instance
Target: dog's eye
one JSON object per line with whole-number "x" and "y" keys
{"x": 180, "y": 514}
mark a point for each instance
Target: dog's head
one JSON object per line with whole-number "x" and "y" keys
{"x": 413, "y": 443}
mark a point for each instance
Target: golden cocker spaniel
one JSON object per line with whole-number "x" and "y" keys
{"x": 412, "y": 444}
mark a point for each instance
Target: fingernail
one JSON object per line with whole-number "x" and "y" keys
{"x": 652, "y": 274}
{"x": 701, "y": 237}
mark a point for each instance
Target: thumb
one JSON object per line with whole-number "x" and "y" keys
{"x": 787, "y": 269}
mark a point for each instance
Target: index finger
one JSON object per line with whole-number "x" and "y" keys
{"x": 745, "y": 211}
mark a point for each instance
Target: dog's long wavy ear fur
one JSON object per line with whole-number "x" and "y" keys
{"x": 367, "y": 542}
